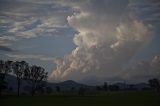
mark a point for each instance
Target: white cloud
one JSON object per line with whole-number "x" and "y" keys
{"x": 109, "y": 35}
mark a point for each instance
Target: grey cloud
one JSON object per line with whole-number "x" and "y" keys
{"x": 28, "y": 19}
{"x": 149, "y": 10}
{"x": 144, "y": 70}
{"x": 5, "y": 40}
{"x": 31, "y": 56}
{"x": 6, "y": 49}
{"x": 10, "y": 38}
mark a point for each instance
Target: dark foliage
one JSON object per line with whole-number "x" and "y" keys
{"x": 19, "y": 68}
{"x": 154, "y": 84}
{"x": 35, "y": 75}
{"x": 5, "y": 68}
{"x": 58, "y": 89}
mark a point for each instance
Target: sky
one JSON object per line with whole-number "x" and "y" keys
{"x": 89, "y": 41}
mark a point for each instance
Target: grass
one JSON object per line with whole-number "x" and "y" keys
{"x": 103, "y": 99}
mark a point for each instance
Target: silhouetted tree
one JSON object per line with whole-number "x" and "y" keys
{"x": 49, "y": 90}
{"x": 27, "y": 88}
{"x": 5, "y": 68}
{"x": 105, "y": 86}
{"x": 81, "y": 91}
{"x": 73, "y": 88}
{"x": 154, "y": 83}
{"x": 2, "y": 75}
{"x": 58, "y": 89}
{"x": 98, "y": 88}
{"x": 18, "y": 69}
{"x": 41, "y": 87}
{"x": 10, "y": 89}
{"x": 35, "y": 75}
{"x": 131, "y": 87}
{"x": 113, "y": 88}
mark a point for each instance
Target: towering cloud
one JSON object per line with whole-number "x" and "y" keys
{"x": 109, "y": 34}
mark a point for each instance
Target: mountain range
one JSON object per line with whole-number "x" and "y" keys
{"x": 70, "y": 85}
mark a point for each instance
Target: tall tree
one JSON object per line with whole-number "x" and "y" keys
{"x": 155, "y": 84}
{"x": 58, "y": 89}
{"x": 36, "y": 76}
{"x": 105, "y": 86}
{"x": 18, "y": 69}
{"x": 5, "y": 68}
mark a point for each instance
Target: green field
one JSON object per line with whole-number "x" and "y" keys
{"x": 108, "y": 99}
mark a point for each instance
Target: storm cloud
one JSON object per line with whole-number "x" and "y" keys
{"x": 109, "y": 34}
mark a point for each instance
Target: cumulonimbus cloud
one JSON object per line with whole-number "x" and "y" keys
{"x": 109, "y": 34}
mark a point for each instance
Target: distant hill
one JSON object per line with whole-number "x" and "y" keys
{"x": 65, "y": 85}
{"x": 69, "y": 85}
{"x": 138, "y": 86}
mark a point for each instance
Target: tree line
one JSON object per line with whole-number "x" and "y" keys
{"x": 153, "y": 84}
{"x": 33, "y": 74}
{"x": 36, "y": 77}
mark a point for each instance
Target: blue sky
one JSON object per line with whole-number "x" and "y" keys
{"x": 83, "y": 39}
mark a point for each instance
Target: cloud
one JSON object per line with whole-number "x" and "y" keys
{"x": 10, "y": 38}
{"x": 32, "y": 18}
{"x": 30, "y": 56}
{"x": 149, "y": 10}
{"x": 6, "y": 49}
{"x": 143, "y": 70}
{"x": 109, "y": 34}
{"x": 5, "y": 42}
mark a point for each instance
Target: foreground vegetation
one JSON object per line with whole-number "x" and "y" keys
{"x": 38, "y": 93}
{"x": 34, "y": 75}
{"x": 131, "y": 98}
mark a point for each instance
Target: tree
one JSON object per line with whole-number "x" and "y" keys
{"x": 98, "y": 88}
{"x": 35, "y": 75}
{"x": 41, "y": 87}
{"x": 81, "y": 91}
{"x": 18, "y": 69}
{"x": 105, "y": 86}
{"x": 49, "y": 90}
{"x": 58, "y": 89}
{"x": 114, "y": 88}
{"x": 27, "y": 88}
{"x": 73, "y": 88}
{"x": 5, "y": 68}
{"x": 154, "y": 83}
{"x": 2, "y": 75}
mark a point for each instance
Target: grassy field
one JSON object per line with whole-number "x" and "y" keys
{"x": 107, "y": 99}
